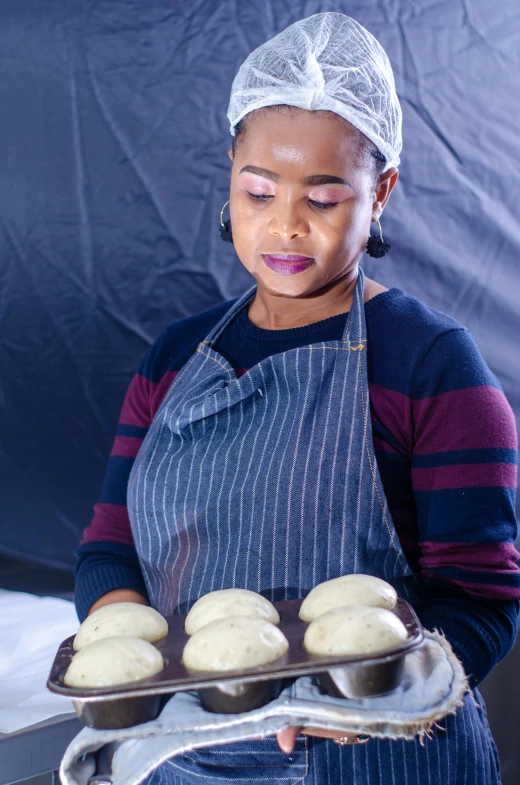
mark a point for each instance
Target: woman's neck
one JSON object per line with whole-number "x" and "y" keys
{"x": 271, "y": 312}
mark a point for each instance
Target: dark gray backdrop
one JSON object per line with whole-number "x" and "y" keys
{"x": 113, "y": 140}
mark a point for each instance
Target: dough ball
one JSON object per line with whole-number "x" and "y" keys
{"x": 354, "y": 629}
{"x": 233, "y": 644}
{"x": 229, "y": 602}
{"x": 355, "y": 589}
{"x": 121, "y": 618}
{"x": 112, "y": 661}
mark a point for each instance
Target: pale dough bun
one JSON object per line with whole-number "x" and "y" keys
{"x": 354, "y": 629}
{"x": 229, "y": 602}
{"x": 355, "y": 589}
{"x": 233, "y": 644}
{"x": 121, "y": 618}
{"x": 112, "y": 661}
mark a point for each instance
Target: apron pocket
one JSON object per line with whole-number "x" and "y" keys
{"x": 250, "y": 761}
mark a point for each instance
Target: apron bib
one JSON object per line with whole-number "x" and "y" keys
{"x": 269, "y": 482}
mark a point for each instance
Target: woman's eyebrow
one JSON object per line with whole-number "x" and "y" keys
{"x": 312, "y": 179}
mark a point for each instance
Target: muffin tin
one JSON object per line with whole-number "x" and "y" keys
{"x": 140, "y": 701}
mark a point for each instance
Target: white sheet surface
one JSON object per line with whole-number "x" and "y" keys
{"x": 31, "y": 629}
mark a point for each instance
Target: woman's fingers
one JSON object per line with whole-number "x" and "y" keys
{"x": 286, "y": 738}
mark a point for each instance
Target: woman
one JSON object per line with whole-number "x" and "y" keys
{"x": 320, "y": 425}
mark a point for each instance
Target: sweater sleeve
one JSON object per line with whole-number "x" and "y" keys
{"x": 104, "y": 566}
{"x": 106, "y": 558}
{"x": 464, "y": 479}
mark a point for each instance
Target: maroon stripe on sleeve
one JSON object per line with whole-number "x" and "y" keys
{"x": 487, "y": 591}
{"x": 394, "y": 409}
{"x": 380, "y": 444}
{"x": 110, "y": 522}
{"x": 144, "y": 398}
{"x": 158, "y": 390}
{"x": 136, "y": 406}
{"x": 126, "y": 446}
{"x": 469, "y": 419}
{"x": 465, "y": 475}
{"x": 479, "y": 556}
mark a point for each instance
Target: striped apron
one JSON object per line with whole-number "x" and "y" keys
{"x": 269, "y": 482}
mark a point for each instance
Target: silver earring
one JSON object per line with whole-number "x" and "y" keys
{"x": 225, "y": 228}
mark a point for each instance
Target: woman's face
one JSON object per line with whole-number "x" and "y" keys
{"x": 303, "y": 184}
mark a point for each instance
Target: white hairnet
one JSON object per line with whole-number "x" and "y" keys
{"x": 326, "y": 61}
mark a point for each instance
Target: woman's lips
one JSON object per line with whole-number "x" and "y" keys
{"x": 287, "y": 264}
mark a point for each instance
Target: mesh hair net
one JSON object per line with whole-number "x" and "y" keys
{"x": 326, "y": 61}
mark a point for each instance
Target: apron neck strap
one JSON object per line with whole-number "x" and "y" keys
{"x": 355, "y": 328}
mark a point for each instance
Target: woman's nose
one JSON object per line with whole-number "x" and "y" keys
{"x": 288, "y": 222}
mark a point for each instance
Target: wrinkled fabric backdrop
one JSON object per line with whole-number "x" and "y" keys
{"x": 113, "y": 140}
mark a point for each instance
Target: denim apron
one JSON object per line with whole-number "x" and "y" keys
{"x": 269, "y": 482}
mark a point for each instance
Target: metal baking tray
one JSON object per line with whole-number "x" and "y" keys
{"x": 131, "y": 704}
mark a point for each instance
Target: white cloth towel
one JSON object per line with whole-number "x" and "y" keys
{"x": 433, "y": 685}
{"x": 31, "y": 630}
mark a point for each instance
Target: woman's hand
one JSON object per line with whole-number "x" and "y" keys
{"x": 119, "y": 595}
{"x": 287, "y": 736}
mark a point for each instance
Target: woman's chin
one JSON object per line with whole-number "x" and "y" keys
{"x": 284, "y": 288}
{"x": 278, "y": 283}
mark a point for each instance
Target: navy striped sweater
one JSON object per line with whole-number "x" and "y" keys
{"x": 445, "y": 444}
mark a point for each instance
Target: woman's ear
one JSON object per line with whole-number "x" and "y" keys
{"x": 386, "y": 184}
{"x": 230, "y": 153}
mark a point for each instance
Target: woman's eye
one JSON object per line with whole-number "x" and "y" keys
{"x": 320, "y": 205}
{"x": 323, "y": 205}
{"x": 260, "y": 197}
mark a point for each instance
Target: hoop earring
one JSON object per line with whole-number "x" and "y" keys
{"x": 376, "y": 246}
{"x": 225, "y": 228}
